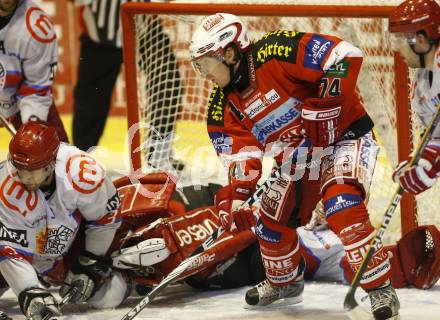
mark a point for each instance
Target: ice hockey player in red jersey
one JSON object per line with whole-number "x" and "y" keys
{"x": 28, "y": 60}
{"x": 268, "y": 96}
{"x": 415, "y": 34}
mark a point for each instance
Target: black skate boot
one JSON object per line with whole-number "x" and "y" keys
{"x": 384, "y": 303}
{"x": 264, "y": 293}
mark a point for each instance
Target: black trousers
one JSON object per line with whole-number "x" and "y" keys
{"x": 98, "y": 70}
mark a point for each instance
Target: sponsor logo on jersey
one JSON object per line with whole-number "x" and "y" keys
{"x": 292, "y": 134}
{"x": 262, "y": 102}
{"x": 339, "y": 69}
{"x": 221, "y": 141}
{"x": 236, "y": 111}
{"x": 215, "y": 107}
{"x": 270, "y": 200}
{"x": 58, "y": 239}
{"x": 39, "y": 25}
{"x": 266, "y": 234}
{"x": 281, "y": 33}
{"x": 269, "y": 51}
{"x": 13, "y": 235}
{"x": 316, "y": 51}
{"x": 276, "y": 120}
{"x": 365, "y": 154}
{"x": 113, "y": 203}
{"x": 340, "y": 203}
{"x": 212, "y": 21}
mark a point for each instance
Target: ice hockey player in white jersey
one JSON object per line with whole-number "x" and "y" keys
{"x": 34, "y": 239}
{"x": 28, "y": 60}
{"x": 415, "y": 34}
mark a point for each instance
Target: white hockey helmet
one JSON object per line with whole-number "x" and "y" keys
{"x": 215, "y": 33}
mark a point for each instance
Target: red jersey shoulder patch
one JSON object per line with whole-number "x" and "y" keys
{"x": 39, "y": 25}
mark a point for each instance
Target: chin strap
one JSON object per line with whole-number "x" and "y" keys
{"x": 422, "y": 54}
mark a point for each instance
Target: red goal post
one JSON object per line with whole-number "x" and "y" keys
{"x": 137, "y": 111}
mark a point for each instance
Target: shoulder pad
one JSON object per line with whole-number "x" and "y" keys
{"x": 216, "y": 107}
{"x": 39, "y": 25}
{"x": 84, "y": 173}
{"x": 278, "y": 44}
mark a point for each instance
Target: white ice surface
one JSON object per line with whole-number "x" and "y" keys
{"x": 321, "y": 301}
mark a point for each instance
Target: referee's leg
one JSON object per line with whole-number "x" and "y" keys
{"x": 98, "y": 70}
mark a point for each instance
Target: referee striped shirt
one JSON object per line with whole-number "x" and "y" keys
{"x": 102, "y": 21}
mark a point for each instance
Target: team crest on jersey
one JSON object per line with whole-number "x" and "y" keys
{"x": 84, "y": 173}
{"x": 39, "y": 25}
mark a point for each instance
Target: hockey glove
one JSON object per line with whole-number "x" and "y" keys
{"x": 420, "y": 177}
{"x": 320, "y": 118}
{"x": 87, "y": 275}
{"x": 228, "y": 205}
{"x": 37, "y": 303}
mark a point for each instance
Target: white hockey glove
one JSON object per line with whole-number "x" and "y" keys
{"x": 37, "y": 303}
{"x": 317, "y": 221}
{"x": 87, "y": 275}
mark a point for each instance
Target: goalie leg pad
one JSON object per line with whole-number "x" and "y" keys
{"x": 145, "y": 253}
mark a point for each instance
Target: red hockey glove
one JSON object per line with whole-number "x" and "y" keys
{"x": 320, "y": 118}
{"x": 420, "y": 177}
{"x": 228, "y": 202}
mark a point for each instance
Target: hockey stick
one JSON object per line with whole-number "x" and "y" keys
{"x": 197, "y": 254}
{"x": 352, "y": 309}
{"x": 8, "y": 127}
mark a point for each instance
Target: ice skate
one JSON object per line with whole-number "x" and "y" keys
{"x": 384, "y": 303}
{"x": 264, "y": 294}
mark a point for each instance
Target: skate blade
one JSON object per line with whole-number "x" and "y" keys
{"x": 276, "y": 304}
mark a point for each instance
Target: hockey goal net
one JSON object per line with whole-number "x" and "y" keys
{"x": 167, "y": 100}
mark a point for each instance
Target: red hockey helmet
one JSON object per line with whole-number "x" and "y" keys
{"x": 416, "y": 15}
{"x": 34, "y": 146}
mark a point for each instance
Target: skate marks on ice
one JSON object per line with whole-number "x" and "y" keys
{"x": 322, "y": 301}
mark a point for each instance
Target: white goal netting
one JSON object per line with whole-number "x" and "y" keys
{"x": 172, "y": 99}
